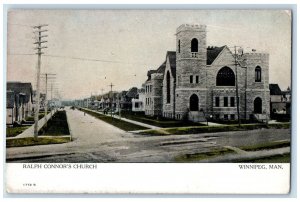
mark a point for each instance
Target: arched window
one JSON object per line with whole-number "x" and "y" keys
{"x": 258, "y": 105}
{"x": 194, "y": 45}
{"x": 258, "y": 74}
{"x": 194, "y": 103}
{"x": 225, "y": 77}
{"x": 178, "y": 46}
{"x": 168, "y": 88}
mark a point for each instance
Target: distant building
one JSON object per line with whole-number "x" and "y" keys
{"x": 19, "y": 103}
{"x": 153, "y": 91}
{"x": 11, "y": 107}
{"x": 138, "y": 104}
{"x": 42, "y": 100}
{"x": 280, "y": 101}
{"x": 198, "y": 81}
{"x": 54, "y": 103}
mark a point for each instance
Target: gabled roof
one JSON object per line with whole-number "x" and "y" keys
{"x": 212, "y": 53}
{"x": 149, "y": 74}
{"x": 161, "y": 68}
{"x": 132, "y": 92}
{"x": 172, "y": 59}
{"x": 18, "y": 87}
{"x": 275, "y": 89}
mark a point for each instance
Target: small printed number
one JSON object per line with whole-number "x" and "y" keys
{"x": 29, "y": 184}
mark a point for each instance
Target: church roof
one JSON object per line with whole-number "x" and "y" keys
{"x": 172, "y": 60}
{"x": 275, "y": 89}
{"x": 212, "y": 53}
{"x": 161, "y": 68}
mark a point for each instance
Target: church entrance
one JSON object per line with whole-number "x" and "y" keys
{"x": 257, "y": 106}
{"x": 194, "y": 103}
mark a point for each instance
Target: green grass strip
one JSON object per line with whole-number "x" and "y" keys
{"x": 267, "y": 145}
{"x": 213, "y": 129}
{"x": 123, "y": 125}
{"x": 31, "y": 141}
{"x": 202, "y": 156}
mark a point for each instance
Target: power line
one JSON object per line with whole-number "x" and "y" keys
{"x": 90, "y": 59}
{"x": 20, "y": 25}
{"x": 79, "y": 58}
{"x": 20, "y": 54}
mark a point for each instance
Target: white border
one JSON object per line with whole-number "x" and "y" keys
{"x": 295, "y": 111}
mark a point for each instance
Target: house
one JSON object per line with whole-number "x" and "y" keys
{"x": 138, "y": 104}
{"x": 195, "y": 81}
{"x": 280, "y": 101}
{"x": 19, "y": 103}
{"x": 10, "y": 107}
{"x": 153, "y": 91}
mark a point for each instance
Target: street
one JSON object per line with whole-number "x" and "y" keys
{"x": 96, "y": 141}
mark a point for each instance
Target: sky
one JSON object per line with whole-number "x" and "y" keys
{"x": 90, "y": 49}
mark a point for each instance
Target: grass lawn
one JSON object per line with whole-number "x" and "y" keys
{"x": 202, "y": 156}
{"x": 31, "y": 141}
{"x": 116, "y": 122}
{"x": 267, "y": 145}
{"x": 56, "y": 126}
{"x": 14, "y": 131}
{"x": 284, "y": 158}
{"x": 162, "y": 122}
{"x": 212, "y": 129}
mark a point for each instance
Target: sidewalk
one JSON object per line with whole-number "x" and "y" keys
{"x": 214, "y": 124}
{"x": 127, "y": 120}
{"x": 30, "y": 131}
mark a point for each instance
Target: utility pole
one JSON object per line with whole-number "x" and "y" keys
{"x": 51, "y": 95}
{"x": 39, "y": 42}
{"x": 120, "y": 105}
{"x": 102, "y": 99}
{"x": 267, "y": 118}
{"x": 51, "y": 91}
{"x": 111, "y": 85}
{"x": 237, "y": 88}
{"x": 46, "y": 97}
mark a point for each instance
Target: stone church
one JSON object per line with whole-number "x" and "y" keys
{"x": 198, "y": 82}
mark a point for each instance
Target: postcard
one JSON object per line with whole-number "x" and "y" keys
{"x": 148, "y": 101}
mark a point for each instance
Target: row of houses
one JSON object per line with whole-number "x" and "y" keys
{"x": 130, "y": 100}
{"x": 20, "y": 102}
